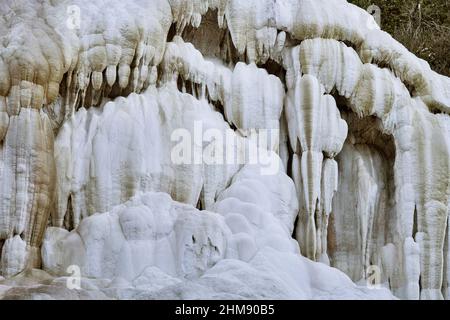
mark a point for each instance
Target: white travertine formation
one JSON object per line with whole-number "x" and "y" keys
{"x": 151, "y": 244}
{"x": 334, "y": 64}
{"x": 99, "y": 98}
{"x": 103, "y": 159}
{"x": 316, "y": 130}
{"x": 147, "y": 231}
{"x": 190, "y": 12}
{"x": 181, "y": 59}
{"x": 256, "y": 98}
{"x": 379, "y": 47}
{"x": 371, "y": 91}
{"x": 251, "y": 98}
{"x": 27, "y": 176}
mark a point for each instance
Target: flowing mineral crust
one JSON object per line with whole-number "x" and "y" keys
{"x": 92, "y": 91}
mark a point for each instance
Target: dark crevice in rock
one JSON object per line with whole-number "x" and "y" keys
{"x": 274, "y": 68}
{"x": 369, "y": 131}
{"x": 172, "y": 32}
{"x": 68, "y": 217}
{"x": 213, "y": 41}
{"x": 415, "y": 223}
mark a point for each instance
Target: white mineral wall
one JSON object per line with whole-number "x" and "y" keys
{"x": 156, "y": 244}
{"x": 105, "y": 157}
{"x": 371, "y": 91}
{"x": 91, "y": 93}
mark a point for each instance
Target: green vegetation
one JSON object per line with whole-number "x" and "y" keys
{"x": 423, "y": 26}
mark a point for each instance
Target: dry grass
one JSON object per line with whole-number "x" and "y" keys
{"x": 423, "y": 26}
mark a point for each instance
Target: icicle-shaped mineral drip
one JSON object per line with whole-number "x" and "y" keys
{"x": 26, "y": 195}
{"x": 311, "y": 168}
{"x": 432, "y": 173}
{"x": 317, "y": 125}
{"x": 329, "y": 188}
{"x": 412, "y": 269}
{"x": 183, "y": 59}
{"x": 333, "y": 63}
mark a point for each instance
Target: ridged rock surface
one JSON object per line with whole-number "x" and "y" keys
{"x": 95, "y": 97}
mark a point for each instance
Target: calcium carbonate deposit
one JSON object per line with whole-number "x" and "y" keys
{"x": 349, "y": 198}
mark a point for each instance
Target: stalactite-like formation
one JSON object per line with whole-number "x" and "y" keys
{"x": 98, "y": 99}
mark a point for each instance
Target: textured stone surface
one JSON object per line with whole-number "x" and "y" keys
{"x": 92, "y": 94}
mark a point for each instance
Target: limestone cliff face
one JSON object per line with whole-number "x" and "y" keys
{"x": 93, "y": 96}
